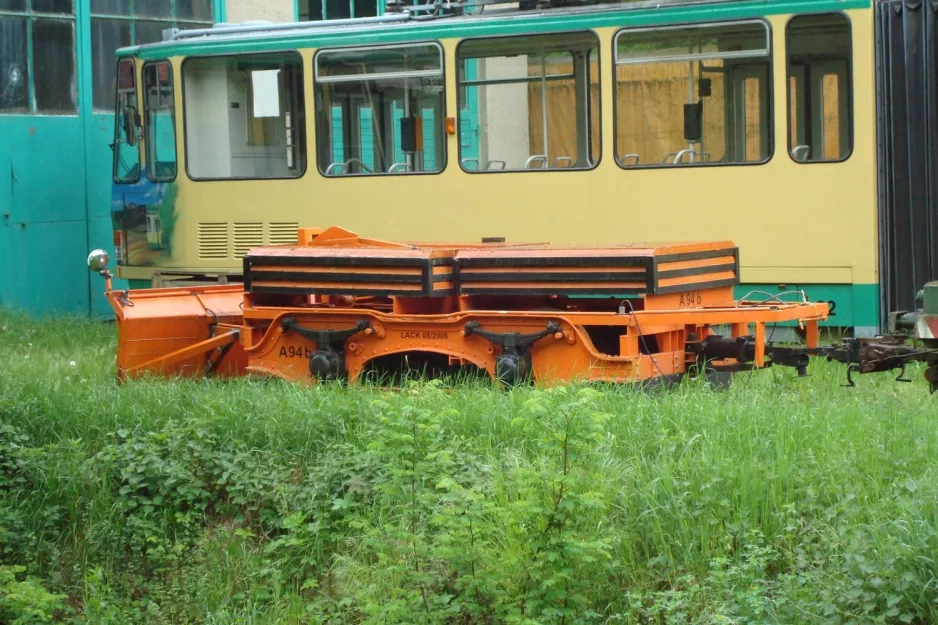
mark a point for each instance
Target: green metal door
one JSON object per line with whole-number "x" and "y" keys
{"x": 42, "y": 195}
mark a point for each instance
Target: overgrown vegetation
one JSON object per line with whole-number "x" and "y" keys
{"x": 781, "y": 500}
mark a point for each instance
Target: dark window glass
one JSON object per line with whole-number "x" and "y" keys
{"x": 110, "y": 7}
{"x": 109, "y": 35}
{"x": 53, "y": 6}
{"x": 54, "y": 66}
{"x": 106, "y": 37}
{"x": 820, "y": 117}
{"x": 194, "y": 10}
{"x": 338, "y": 9}
{"x": 12, "y": 5}
{"x": 126, "y": 156}
{"x": 14, "y": 69}
{"x": 366, "y": 8}
{"x": 150, "y": 32}
{"x": 153, "y": 8}
{"x": 160, "y": 121}
{"x": 311, "y": 10}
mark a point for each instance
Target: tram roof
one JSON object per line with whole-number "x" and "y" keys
{"x": 494, "y": 21}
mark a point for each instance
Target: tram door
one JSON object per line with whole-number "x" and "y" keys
{"x": 747, "y": 106}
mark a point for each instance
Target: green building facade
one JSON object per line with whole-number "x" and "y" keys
{"x": 57, "y": 71}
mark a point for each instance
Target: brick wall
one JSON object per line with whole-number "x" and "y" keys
{"x": 270, "y": 10}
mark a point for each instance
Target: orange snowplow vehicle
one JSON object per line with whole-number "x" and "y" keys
{"x": 340, "y": 306}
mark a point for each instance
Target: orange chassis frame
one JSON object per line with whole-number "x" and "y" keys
{"x": 337, "y": 303}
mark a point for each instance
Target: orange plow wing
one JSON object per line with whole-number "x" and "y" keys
{"x": 189, "y": 332}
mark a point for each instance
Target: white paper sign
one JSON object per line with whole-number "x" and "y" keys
{"x": 266, "y": 93}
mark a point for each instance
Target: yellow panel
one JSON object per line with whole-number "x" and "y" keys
{"x": 793, "y": 222}
{"x": 807, "y": 275}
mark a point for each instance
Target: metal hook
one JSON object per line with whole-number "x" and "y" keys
{"x": 900, "y": 377}
{"x": 850, "y": 370}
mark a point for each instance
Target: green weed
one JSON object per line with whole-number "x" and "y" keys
{"x": 780, "y": 500}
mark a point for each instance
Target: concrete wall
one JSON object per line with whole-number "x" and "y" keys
{"x": 269, "y": 10}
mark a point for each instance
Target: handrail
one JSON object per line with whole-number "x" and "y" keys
{"x": 346, "y": 164}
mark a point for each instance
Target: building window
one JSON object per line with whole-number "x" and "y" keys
{"x": 819, "y": 85}
{"x": 693, "y": 95}
{"x": 245, "y": 116}
{"x": 37, "y": 57}
{"x": 126, "y": 124}
{"x": 160, "y": 121}
{"x": 380, "y": 110}
{"x": 119, "y": 23}
{"x": 537, "y": 101}
{"x": 315, "y": 10}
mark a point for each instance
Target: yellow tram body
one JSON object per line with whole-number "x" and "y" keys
{"x": 801, "y": 221}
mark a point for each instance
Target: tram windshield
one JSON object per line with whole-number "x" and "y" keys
{"x": 126, "y": 123}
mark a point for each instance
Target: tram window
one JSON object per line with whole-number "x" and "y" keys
{"x": 380, "y": 110}
{"x": 245, "y": 116}
{"x": 536, "y": 100}
{"x": 819, "y": 85}
{"x": 126, "y": 148}
{"x": 696, "y": 95}
{"x": 160, "y": 121}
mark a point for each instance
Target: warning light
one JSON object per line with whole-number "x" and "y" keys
{"x": 450, "y": 125}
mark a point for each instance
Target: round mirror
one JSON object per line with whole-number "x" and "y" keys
{"x": 97, "y": 260}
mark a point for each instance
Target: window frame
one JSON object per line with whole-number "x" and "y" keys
{"x": 599, "y": 101}
{"x": 117, "y": 122}
{"x": 770, "y": 83}
{"x": 146, "y": 121}
{"x": 385, "y": 46}
{"x": 229, "y": 55}
{"x": 132, "y": 19}
{"x": 31, "y": 16}
{"x": 851, "y": 116}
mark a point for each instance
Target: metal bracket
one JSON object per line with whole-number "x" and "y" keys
{"x": 514, "y": 363}
{"x": 212, "y": 363}
{"x": 324, "y": 337}
{"x": 328, "y": 361}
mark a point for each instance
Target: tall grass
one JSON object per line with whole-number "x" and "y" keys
{"x": 252, "y": 501}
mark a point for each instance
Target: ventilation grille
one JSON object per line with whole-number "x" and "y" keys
{"x": 213, "y": 240}
{"x": 247, "y": 236}
{"x": 282, "y": 233}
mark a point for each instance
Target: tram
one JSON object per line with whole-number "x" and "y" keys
{"x": 802, "y": 130}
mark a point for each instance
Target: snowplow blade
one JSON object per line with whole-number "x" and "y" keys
{"x": 191, "y": 332}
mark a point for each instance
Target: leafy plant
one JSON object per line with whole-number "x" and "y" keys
{"x": 26, "y": 601}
